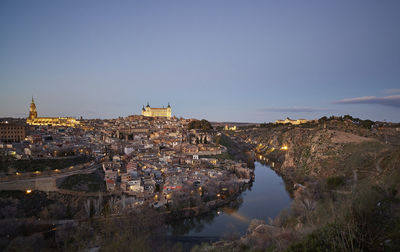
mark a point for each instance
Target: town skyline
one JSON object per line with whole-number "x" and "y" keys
{"x": 225, "y": 61}
{"x": 285, "y": 113}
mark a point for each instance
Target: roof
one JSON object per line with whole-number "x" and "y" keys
{"x": 158, "y": 108}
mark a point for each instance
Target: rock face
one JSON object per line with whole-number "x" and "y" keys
{"x": 316, "y": 152}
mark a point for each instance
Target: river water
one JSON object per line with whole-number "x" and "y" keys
{"x": 264, "y": 199}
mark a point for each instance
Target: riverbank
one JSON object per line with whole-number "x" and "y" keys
{"x": 345, "y": 188}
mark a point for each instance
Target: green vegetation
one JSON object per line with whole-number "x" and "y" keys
{"x": 366, "y": 222}
{"x": 19, "y": 204}
{"x": 269, "y": 125}
{"x": 41, "y": 164}
{"x": 368, "y": 124}
{"x": 202, "y": 125}
{"x": 366, "y": 219}
{"x": 334, "y": 182}
{"x": 223, "y": 140}
{"x": 84, "y": 182}
{"x": 362, "y": 156}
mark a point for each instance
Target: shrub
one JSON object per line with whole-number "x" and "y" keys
{"x": 334, "y": 182}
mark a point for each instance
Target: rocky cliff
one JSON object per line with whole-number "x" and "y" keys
{"x": 320, "y": 151}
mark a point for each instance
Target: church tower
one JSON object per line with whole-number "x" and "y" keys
{"x": 32, "y": 111}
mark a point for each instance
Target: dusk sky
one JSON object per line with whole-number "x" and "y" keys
{"x": 244, "y": 61}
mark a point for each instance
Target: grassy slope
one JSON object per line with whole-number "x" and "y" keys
{"x": 92, "y": 182}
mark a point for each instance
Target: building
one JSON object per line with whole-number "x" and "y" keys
{"x": 156, "y": 112}
{"x": 11, "y": 132}
{"x": 49, "y": 121}
{"x": 294, "y": 122}
{"x": 232, "y": 128}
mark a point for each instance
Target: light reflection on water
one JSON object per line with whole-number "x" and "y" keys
{"x": 265, "y": 199}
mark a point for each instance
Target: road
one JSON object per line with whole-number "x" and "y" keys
{"x": 43, "y": 182}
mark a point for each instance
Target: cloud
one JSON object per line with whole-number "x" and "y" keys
{"x": 392, "y": 101}
{"x": 392, "y": 91}
{"x": 292, "y": 109}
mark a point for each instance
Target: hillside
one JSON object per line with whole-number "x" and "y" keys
{"x": 323, "y": 150}
{"x": 345, "y": 178}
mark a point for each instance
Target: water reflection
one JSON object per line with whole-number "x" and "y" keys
{"x": 197, "y": 224}
{"x": 263, "y": 199}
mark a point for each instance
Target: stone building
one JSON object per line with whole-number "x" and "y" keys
{"x": 156, "y": 112}
{"x": 12, "y": 132}
{"x": 49, "y": 121}
{"x": 294, "y": 122}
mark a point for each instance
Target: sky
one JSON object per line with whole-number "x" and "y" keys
{"x": 242, "y": 61}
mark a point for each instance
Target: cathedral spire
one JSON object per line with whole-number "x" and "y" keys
{"x": 32, "y": 99}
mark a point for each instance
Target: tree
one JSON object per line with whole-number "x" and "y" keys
{"x": 367, "y": 124}
{"x": 323, "y": 119}
{"x": 203, "y": 125}
{"x": 348, "y": 117}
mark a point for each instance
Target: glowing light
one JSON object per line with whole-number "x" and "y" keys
{"x": 28, "y": 191}
{"x": 236, "y": 215}
{"x": 57, "y": 170}
{"x": 218, "y": 195}
{"x": 37, "y": 172}
{"x": 17, "y": 173}
{"x": 284, "y": 147}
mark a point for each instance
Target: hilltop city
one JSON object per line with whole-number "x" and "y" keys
{"x": 81, "y": 183}
{"x": 151, "y": 158}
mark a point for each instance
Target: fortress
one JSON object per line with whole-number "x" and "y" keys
{"x": 49, "y": 121}
{"x": 156, "y": 112}
{"x": 294, "y": 122}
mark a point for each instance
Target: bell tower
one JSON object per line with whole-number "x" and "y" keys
{"x": 32, "y": 111}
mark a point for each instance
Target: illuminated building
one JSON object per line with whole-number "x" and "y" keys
{"x": 156, "y": 112}
{"x": 49, "y": 121}
{"x": 233, "y": 128}
{"x": 295, "y": 122}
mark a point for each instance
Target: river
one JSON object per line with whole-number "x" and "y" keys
{"x": 264, "y": 199}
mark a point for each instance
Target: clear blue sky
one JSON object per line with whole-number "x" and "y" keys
{"x": 254, "y": 61}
